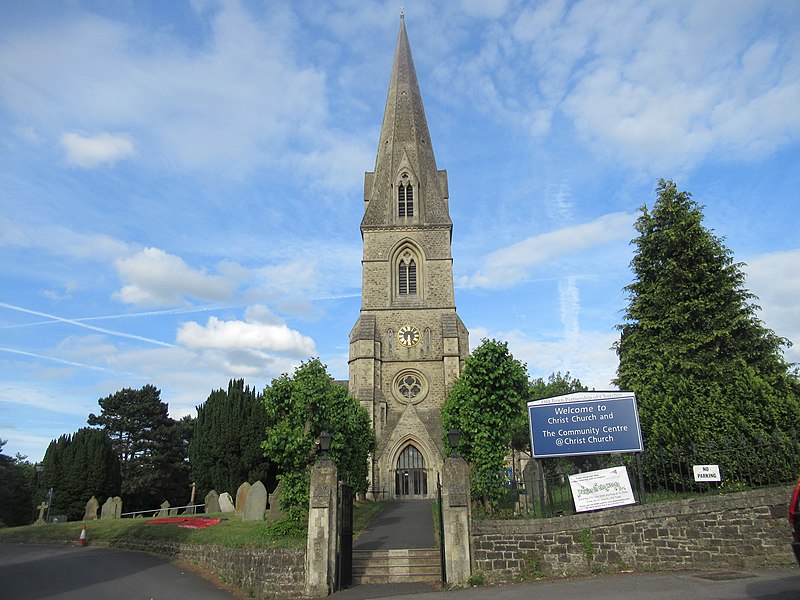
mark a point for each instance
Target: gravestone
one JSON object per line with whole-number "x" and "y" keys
{"x": 91, "y": 509}
{"x": 42, "y": 507}
{"x": 241, "y": 497}
{"x": 226, "y": 503}
{"x": 117, "y": 507}
{"x": 212, "y": 502}
{"x": 108, "y": 509}
{"x": 256, "y": 503}
{"x": 275, "y": 511}
{"x": 164, "y": 512}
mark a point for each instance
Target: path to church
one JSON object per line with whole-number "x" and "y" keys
{"x": 402, "y": 524}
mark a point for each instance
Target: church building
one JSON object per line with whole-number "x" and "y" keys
{"x": 408, "y": 345}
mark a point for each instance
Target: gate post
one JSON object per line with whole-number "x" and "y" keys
{"x": 456, "y": 519}
{"x": 322, "y": 529}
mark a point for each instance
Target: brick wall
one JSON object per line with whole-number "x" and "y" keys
{"x": 734, "y": 531}
{"x": 264, "y": 573}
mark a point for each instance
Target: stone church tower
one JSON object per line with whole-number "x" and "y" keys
{"x": 408, "y": 345}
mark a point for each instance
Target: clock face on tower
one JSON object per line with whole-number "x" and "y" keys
{"x": 408, "y": 335}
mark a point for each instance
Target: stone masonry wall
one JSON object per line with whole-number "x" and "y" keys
{"x": 264, "y": 573}
{"x": 734, "y": 531}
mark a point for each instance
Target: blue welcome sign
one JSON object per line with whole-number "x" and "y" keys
{"x": 584, "y": 423}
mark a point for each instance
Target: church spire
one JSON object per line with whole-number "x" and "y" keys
{"x": 405, "y": 144}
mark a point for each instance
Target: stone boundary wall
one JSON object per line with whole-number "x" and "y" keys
{"x": 733, "y": 531}
{"x": 264, "y": 572}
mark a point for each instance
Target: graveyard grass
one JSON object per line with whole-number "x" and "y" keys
{"x": 231, "y": 532}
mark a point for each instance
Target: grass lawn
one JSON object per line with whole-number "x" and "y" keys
{"x": 231, "y": 532}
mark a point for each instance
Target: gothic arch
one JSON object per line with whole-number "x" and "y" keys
{"x": 407, "y": 272}
{"x": 412, "y": 469}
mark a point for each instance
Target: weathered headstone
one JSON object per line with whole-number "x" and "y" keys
{"x": 212, "y": 502}
{"x": 91, "y": 509}
{"x": 275, "y": 511}
{"x": 226, "y": 503}
{"x": 42, "y": 507}
{"x": 164, "y": 512}
{"x": 108, "y": 509}
{"x": 117, "y": 507}
{"x": 256, "y": 503}
{"x": 241, "y": 497}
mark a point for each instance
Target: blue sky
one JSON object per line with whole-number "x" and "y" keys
{"x": 181, "y": 182}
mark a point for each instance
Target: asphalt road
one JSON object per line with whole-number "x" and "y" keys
{"x": 73, "y": 573}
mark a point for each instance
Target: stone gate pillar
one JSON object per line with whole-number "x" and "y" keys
{"x": 323, "y": 532}
{"x": 456, "y": 519}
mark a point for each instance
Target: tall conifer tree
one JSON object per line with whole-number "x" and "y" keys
{"x": 704, "y": 366}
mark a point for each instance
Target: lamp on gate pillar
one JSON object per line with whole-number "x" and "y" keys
{"x": 453, "y": 437}
{"x": 325, "y": 443}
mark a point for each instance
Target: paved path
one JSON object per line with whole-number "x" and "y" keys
{"x": 401, "y": 524}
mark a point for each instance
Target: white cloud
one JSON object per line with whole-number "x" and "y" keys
{"x": 251, "y": 334}
{"x": 92, "y": 151}
{"x": 155, "y": 278}
{"x": 490, "y": 9}
{"x": 774, "y": 278}
{"x": 508, "y": 266}
{"x": 60, "y": 241}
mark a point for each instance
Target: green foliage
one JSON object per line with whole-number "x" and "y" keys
{"x": 702, "y": 364}
{"x": 487, "y": 404}
{"x": 77, "y": 467}
{"x": 301, "y": 407}
{"x": 152, "y": 447}
{"x": 225, "y": 450}
{"x": 16, "y": 489}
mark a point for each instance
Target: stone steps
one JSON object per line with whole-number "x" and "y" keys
{"x": 396, "y": 566}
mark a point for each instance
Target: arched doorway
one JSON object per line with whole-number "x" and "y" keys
{"x": 411, "y": 477}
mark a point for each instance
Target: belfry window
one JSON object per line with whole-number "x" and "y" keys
{"x": 407, "y": 275}
{"x": 405, "y": 197}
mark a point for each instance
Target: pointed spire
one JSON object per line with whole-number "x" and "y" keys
{"x": 404, "y": 143}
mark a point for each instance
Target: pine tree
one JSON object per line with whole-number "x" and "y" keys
{"x": 703, "y": 365}
{"x": 151, "y": 446}
{"x": 225, "y": 450}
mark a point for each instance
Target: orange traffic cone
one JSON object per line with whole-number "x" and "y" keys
{"x": 82, "y": 538}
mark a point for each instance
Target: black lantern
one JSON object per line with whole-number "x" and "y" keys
{"x": 453, "y": 437}
{"x": 325, "y": 443}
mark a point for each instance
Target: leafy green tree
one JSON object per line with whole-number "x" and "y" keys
{"x": 487, "y": 404}
{"x": 16, "y": 489}
{"x": 225, "y": 450}
{"x": 152, "y": 447}
{"x": 704, "y": 367}
{"x": 80, "y": 466}
{"x": 301, "y": 407}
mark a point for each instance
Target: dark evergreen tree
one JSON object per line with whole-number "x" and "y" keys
{"x": 151, "y": 446}
{"x": 488, "y": 405}
{"x": 226, "y": 442}
{"x": 77, "y": 467}
{"x": 301, "y": 407}
{"x": 16, "y": 489}
{"x": 703, "y": 365}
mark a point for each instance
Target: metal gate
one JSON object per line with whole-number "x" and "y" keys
{"x": 345, "y": 562}
{"x": 441, "y": 529}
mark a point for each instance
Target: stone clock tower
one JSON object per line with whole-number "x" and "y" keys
{"x": 408, "y": 345}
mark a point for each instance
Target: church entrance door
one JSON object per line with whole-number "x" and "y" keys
{"x": 411, "y": 477}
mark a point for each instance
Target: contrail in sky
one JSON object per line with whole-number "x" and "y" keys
{"x": 85, "y": 326}
{"x": 152, "y": 313}
{"x": 58, "y": 360}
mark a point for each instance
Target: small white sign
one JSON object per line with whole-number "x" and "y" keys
{"x": 706, "y": 473}
{"x": 601, "y": 489}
